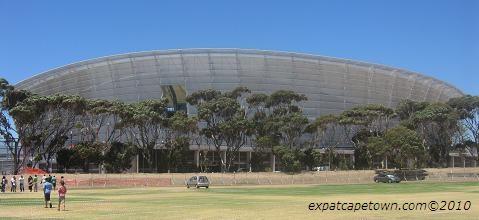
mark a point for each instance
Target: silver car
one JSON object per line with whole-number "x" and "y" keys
{"x": 198, "y": 181}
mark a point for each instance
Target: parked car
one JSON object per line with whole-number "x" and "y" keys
{"x": 198, "y": 181}
{"x": 386, "y": 178}
{"x": 321, "y": 168}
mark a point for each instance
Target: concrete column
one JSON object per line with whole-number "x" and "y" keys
{"x": 197, "y": 158}
{"x": 273, "y": 162}
{"x": 224, "y": 159}
{"x": 351, "y": 157}
{"x": 248, "y": 160}
{"x": 137, "y": 163}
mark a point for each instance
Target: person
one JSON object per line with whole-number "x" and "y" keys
{"x": 30, "y": 183}
{"x": 4, "y": 183}
{"x": 13, "y": 182}
{"x": 21, "y": 181}
{"x": 43, "y": 179}
{"x": 62, "y": 191}
{"x": 47, "y": 189}
{"x": 35, "y": 183}
{"x": 54, "y": 183}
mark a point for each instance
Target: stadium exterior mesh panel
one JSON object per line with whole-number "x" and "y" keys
{"x": 331, "y": 84}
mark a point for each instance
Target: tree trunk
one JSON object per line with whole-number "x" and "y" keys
{"x": 169, "y": 162}
{"x": 86, "y": 166}
{"x": 147, "y": 156}
{"x": 15, "y": 164}
{"x": 48, "y": 164}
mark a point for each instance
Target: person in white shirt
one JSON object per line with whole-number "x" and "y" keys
{"x": 14, "y": 184}
{"x": 21, "y": 180}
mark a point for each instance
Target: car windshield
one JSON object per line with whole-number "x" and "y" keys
{"x": 391, "y": 176}
{"x": 203, "y": 179}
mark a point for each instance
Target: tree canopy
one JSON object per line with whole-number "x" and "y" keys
{"x": 79, "y": 131}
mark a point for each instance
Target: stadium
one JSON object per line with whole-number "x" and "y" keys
{"x": 332, "y": 85}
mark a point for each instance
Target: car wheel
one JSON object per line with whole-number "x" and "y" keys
{"x": 197, "y": 186}
{"x": 207, "y": 187}
{"x": 376, "y": 181}
{"x": 187, "y": 186}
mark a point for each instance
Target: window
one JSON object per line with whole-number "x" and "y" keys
{"x": 176, "y": 95}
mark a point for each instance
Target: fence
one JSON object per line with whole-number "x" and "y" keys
{"x": 263, "y": 178}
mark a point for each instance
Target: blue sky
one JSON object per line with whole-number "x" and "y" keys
{"x": 437, "y": 38}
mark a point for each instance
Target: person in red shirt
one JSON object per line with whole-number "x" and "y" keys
{"x": 62, "y": 191}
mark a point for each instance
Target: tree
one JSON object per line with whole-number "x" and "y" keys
{"x": 145, "y": 122}
{"x": 290, "y": 158}
{"x": 43, "y": 122}
{"x": 178, "y": 134}
{"x": 88, "y": 153}
{"x": 406, "y": 146}
{"x": 262, "y": 140}
{"x": 326, "y": 133}
{"x": 261, "y": 146}
{"x": 360, "y": 124}
{"x": 7, "y": 130}
{"x": 407, "y": 108}
{"x": 100, "y": 117}
{"x": 290, "y": 128}
{"x": 277, "y": 121}
{"x": 468, "y": 110}
{"x": 118, "y": 158}
{"x": 236, "y": 132}
{"x": 436, "y": 124}
{"x": 377, "y": 147}
{"x": 67, "y": 158}
{"x": 285, "y": 120}
{"x": 284, "y": 101}
{"x": 201, "y": 96}
{"x": 225, "y": 122}
{"x": 372, "y": 117}
{"x": 312, "y": 158}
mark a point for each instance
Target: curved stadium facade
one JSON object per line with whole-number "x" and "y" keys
{"x": 332, "y": 85}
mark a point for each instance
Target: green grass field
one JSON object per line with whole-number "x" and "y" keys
{"x": 243, "y": 202}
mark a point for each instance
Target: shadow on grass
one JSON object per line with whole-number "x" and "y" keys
{"x": 381, "y": 188}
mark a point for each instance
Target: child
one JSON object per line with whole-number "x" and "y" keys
{"x": 62, "y": 191}
{"x": 47, "y": 189}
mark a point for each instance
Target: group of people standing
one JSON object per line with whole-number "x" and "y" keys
{"x": 49, "y": 184}
{"x": 32, "y": 183}
{"x": 13, "y": 184}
